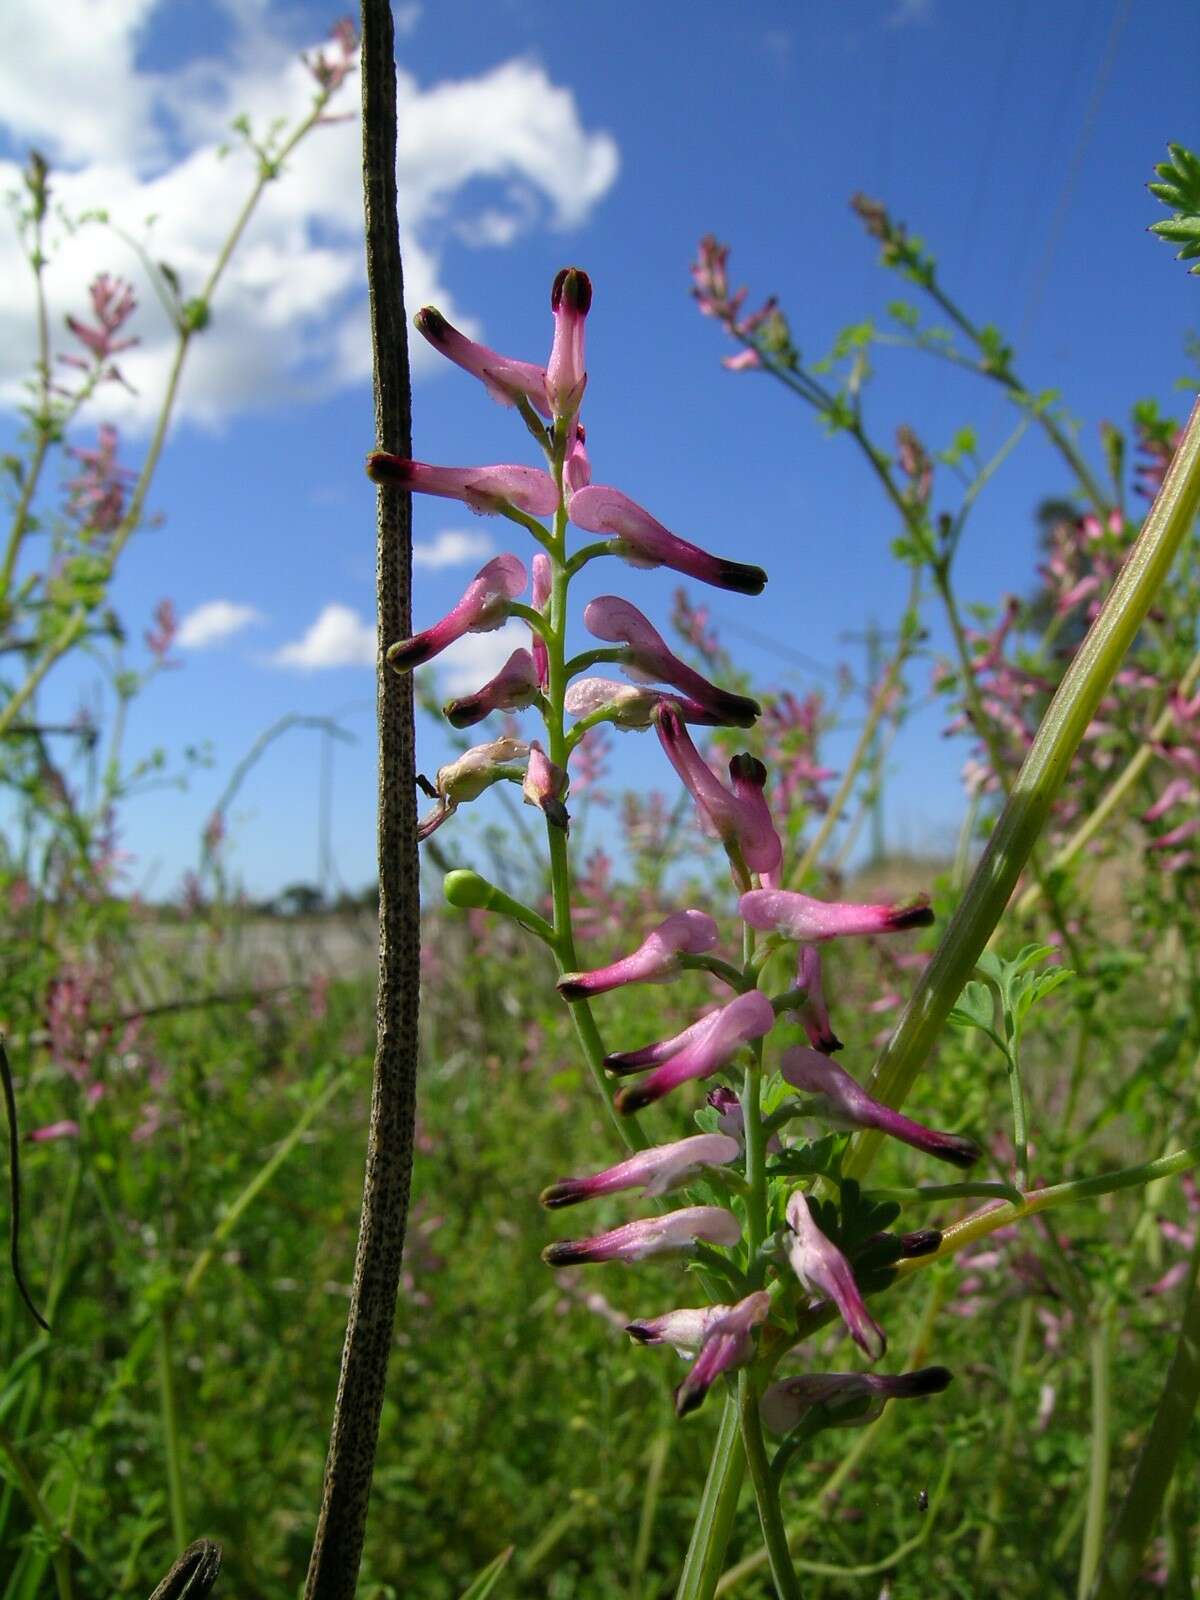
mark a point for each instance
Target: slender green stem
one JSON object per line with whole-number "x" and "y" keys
{"x": 1067, "y": 719}
{"x": 766, "y": 1491}
{"x": 1097, "y": 1499}
{"x": 170, "y": 1424}
{"x": 715, "y": 1513}
{"x": 1121, "y": 1560}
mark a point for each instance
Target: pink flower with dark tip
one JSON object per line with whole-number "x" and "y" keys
{"x": 513, "y": 687}
{"x": 655, "y": 1171}
{"x": 814, "y": 1013}
{"x": 823, "y": 1270}
{"x": 684, "y": 1330}
{"x": 644, "y": 542}
{"x": 482, "y": 609}
{"x": 800, "y": 917}
{"x": 709, "y": 1048}
{"x": 728, "y": 1343}
{"x": 630, "y": 705}
{"x": 647, "y": 659}
{"x": 655, "y": 960}
{"x": 847, "y": 1105}
{"x": 544, "y": 787}
{"x": 649, "y": 1236}
{"x": 541, "y": 593}
{"x": 739, "y": 819}
{"x": 649, "y": 1055}
{"x": 505, "y": 379}
{"x": 566, "y": 370}
{"x": 469, "y": 775}
{"x": 487, "y": 490}
{"x": 851, "y": 1398}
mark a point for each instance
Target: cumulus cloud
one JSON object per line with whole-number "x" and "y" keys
{"x": 215, "y": 620}
{"x": 451, "y": 549}
{"x": 476, "y": 657}
{"x": 486, "y": 158}
{"x": 338, "y": 638}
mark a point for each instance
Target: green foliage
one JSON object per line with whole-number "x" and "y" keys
{"x": 1179, "y": 190}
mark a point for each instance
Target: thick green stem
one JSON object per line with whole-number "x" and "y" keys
{"x": 1067, "y": 719}
{"x": 766, "y": 1492}
{"x": 1121, "y": 1561}
{"x": 716, "y": 1511}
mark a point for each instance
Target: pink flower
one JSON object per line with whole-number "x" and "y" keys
{"x": 113, "y": 302}
{"x": 847, "y": 1105}
{"x": 160, "y": 638}
{"x": 647, "y": 658}
{"x": 467, "y": 777}
{"x": 96, "y": 496}
{"x": 649, "y": 1236}
{"x": 650, "y": 1055}
{"x": 514, "y": 686}
{"x": 744, "y": 361}
{"x": 709, "y": 1047}
{"x": 684, "y": 1329}
{"x": 655, "y": 1171}
{"x": 739, "y": 819}
{"x": 630, "y": 705}
{"x": 566, "y": 372}
{"x": 482, "y": 609}
{"x": 823, "y": 1270}
{"x": 545, "y": 785}
{"x": 66, "y": 1129}
{"x": 853, "y": 1398}
{"x": 655, "y": 960}
{"x": 484, "y": 489}
{"x": 814, "y": 1014}
{"x": 504, "y": 379}
{"x": 539, "y": 598}
{"x": 330, "y": 72}
{"x": 644, "y": 542}
{"x": 727, "y": 1343}
{"x": 800, "y": 917}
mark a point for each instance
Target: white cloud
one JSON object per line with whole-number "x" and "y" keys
{"x": 476, "y": 657}
{"x": 213, "y": 621}
{"x": 487, "y": 158}
{"x": 338, "y": 638}
{"x": 910, "y": 14}
{"x": 451, "y": 549}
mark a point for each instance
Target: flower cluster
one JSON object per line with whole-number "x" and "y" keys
{"x": 773, "y": 1256}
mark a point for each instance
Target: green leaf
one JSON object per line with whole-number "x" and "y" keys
{"x": 975, "y": 1007}
{"x": 485, "y": 1581}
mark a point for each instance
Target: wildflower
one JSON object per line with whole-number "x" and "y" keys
{"x": 539, "y": 597}
{"x": 630, "y": 705}
{"x": 545, "y": 785}
{"x": 655, "y": 960}
{"x": 161, "y": 636}
{"x": 709, "y": 1048}
{"x": 655, "y": 1171}
{"x": 649, "y": 1236}
{"x": 800, "y": 917}
{"x": 513, "y": 687}
{"x": 330, "y": 72}
{"x": 684, "y": 1329}
{"x": 644, "y": 542}
{"x": 467, "y": 777}
{"x": 823, "y": 1270}
{"x": 814, "y": 1013}
{"x": 741, "y": 819}
{"x": 747, "y": 360}
{"x": 97, "y": 494}
{"x": 650, "y": 1055}
{"x": 851, "y": 1398}
{"x": 727, "y": 1343}
{"x": 566, "y": 374}
{"x": 487, "y": 490}
{"x": 482, "y": 609}
{"x": 505, "y": 379}
{"x": 66, "y": 1129}
{"x": 113, "y": 303}
{"x": 648, "y": 660}
{"x": 846, "y": 1105}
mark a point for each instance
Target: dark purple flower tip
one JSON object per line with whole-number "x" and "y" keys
{"x": 929, "y": 1380}
{"x": 635, "y": 1097}
{"x": 826, "y": 1041}
{"x": 643, "y": 1332}
{"x": 395, "y": 471}
{"x": 689, "y": 1397}
{"x": 430, "y": 322}
{"x": 921, "y": 1243}
{"x": 740, "y": 577}
{"x": 556, "y": 813}
{"x": 959, "y": 1152}
{"x": 621, "y": 1065}
{"x": 567, "y": 1193}
{"x": 406, "y": 654}
{"x": 572, "y": 287}
{"x": 748, "y": 769}
{"x": 566, "y": 1252}
{"x": 573, "y": 987}
{"x": 735, "y": 710}
{"x": 917, "y": 915}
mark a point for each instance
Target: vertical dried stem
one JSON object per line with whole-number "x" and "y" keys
{"x": 337, "y": 1550}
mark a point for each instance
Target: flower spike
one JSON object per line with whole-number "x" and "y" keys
{"x": 513, "y": 687}
{"x": 644, "y": 542}
{"x": 785, "y": 1405}
{"x": 655, "y": 960}
{"x": 487, "y": 490}
{"x": 649, "y": 1236}
{"x": 648, "y": 659}
{"x": 727, "y": 1343}
{"x": 748, "y": 1017}
{"x": 824, "y": 1270}
{"x": 482, "y": 609}
{"x": 847, "y": 1105}
{"x": 809, "y": 921}
{"x": 655, "y": 1171}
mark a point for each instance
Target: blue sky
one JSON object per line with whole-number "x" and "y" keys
{"x": 1016, "y": 139}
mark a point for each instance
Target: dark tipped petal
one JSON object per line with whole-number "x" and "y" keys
{"x": 393, "y": 470}
{"x": 741, "y": 577}
{"x": 567, "y": 1193}
{"x": 565, "y": 1252}
{"x": 573, "y": 286}
{"x": 406, "y": 654}
{"x": 633, "y": 1098}
{"x": 914, "y": 916}
{"x": 929, "y": 1380}
{"x": 921, "y": 1243}
{"x": 958, "y": 1152}
{"x": 748, "y": 769}
{"x": 689, "y": 1397}
{"x": 643, "y": 1333}
{"x": 430, "y": 322}
{"x": 573, "y": 987}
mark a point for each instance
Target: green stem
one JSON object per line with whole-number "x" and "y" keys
{"x": 60, "y": 1559}
{"x": 1041, "y": 776}
{"x": 170, "y": 1423}
{"x": 766, "y": 1491}
{"x": 1002, "y": 1455}
{"x": 1121, "y": 1561}
{"x": 715, "y": 1513}
{"x": 1097, "y": 1499}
